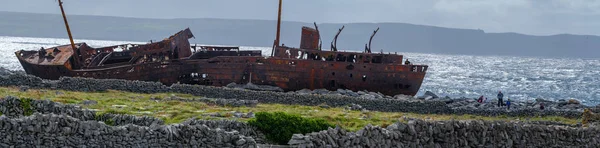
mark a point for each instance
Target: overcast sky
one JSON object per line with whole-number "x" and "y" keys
{"x": 536, "y": 17}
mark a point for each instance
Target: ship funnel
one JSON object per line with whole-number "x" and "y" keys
{"x": 310, "y": 39}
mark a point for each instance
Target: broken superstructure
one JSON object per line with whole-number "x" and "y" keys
{"x": 174, "y": 60}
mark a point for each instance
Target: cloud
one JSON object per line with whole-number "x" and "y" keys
{"x": 538, "y": 17}
{"x": 474, "y": 7}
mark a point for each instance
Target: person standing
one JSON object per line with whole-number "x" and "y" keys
{"x": 500, "y": 96}
{"x": 508, "y": 103}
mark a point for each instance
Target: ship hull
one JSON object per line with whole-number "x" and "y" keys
{"x": 288, "y": 74}
{"x": 158, "y": 72}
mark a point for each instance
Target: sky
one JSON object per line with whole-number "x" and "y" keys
{"x": 533, "y": 17}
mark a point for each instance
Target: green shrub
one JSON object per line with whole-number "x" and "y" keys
{"x": 26, "y": 105}
{"x": 278, "y": 127}
{"x": 108, "y": 121}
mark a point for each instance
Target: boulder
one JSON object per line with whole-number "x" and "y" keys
{"x": 355, "y": 107}
{"x": 321, "y": 91}
{"x": 249, "y": 115}
{"x": 251, "y": 86}
{"x": 23, "y": 88}
{"x": 540, "y": 100}
{"x": 231, "y": 85}
{"x": 324, "y": 106}
{"x": 352, "y": 94}
{"x": 361, "y": 92}
{"x": 428, "y": 98}
{"x": 304, "y": 91}
{"x": 429, "y": 93}
{"x": 573, "y": 101}
{"x": 402, "y": 97}
{"x": 89, "y": 102}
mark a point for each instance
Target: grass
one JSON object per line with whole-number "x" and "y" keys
{"x": 121, "y": 102}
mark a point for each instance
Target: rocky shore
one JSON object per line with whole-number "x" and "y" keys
{"x": 459, "y": 103}
{"x": 340, "y": 98}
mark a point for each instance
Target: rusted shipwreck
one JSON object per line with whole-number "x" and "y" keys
{"x": 174, "y": 60}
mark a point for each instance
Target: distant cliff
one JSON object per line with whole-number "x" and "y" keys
{"x": 392, "y": 37}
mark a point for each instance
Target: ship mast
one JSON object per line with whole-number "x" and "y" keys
{"x": 368, "y": 49}
{"x": 276, "y": 43}
{"x": 334, "y": 42}
{"x": 66, "y": 24}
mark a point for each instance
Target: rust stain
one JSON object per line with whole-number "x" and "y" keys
{"x": 311, "y": 79}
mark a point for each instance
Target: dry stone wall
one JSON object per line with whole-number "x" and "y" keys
{"x": 88, "y": 84}
{"x": 419, "y": 133}
{"x": 230, "y": 133}
{"x": 15, "y": 107}
{"x": 220, "y": 102}
{"x": 389, "y": 105}
{"x": 230, "y": 125}
{"x": 51, "y": 130}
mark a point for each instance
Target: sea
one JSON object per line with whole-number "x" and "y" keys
{"x": 519, "y": 78}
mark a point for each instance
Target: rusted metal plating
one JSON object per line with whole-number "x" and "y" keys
{"x": 172, "y": 61}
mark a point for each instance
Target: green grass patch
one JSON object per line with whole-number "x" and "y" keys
{"x": 120, "y": 102}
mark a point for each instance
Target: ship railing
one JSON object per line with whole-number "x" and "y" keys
{"x": 351, "y": 57}
{"x": 25, "y": 53}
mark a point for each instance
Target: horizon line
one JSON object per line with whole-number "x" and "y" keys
{"x": 283, "y": 20}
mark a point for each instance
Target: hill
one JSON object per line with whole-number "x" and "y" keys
{"x": 392, "y": 37}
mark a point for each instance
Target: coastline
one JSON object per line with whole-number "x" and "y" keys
{"x": 367, "y": 100}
